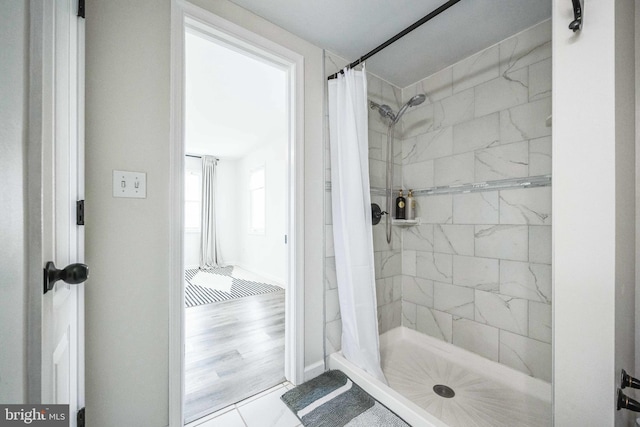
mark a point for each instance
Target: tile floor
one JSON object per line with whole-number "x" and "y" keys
{"x": 262, "y": 410}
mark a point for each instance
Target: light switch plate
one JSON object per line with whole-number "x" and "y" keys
{"x": 130, "y": 184}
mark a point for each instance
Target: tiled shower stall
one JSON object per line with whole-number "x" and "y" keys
{"x": 476, "y": 271}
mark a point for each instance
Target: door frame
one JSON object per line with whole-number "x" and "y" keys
{"x": 186, "y": 15}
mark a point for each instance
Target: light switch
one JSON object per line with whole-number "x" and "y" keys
{"x": 130, "y": 184}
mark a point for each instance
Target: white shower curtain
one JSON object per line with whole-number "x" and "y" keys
{"x": 352, "y": 228}
{"x": 209, "y": 252}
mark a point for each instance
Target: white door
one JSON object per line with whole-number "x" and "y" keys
{"x": 62, "y": 187}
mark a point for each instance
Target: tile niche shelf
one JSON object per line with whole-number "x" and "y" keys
{"x": 405, "y": 222}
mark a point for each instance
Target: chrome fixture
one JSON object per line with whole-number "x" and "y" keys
{"x": 386, "y": 112}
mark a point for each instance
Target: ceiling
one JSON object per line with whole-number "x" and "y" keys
{"x": 351, "y": 28}
{"x": 233, "y": 102}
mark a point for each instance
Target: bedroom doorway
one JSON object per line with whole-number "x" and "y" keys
{"x": 237, "y": 221}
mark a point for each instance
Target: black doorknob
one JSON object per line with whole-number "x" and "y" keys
{"x": 72, "y": 274}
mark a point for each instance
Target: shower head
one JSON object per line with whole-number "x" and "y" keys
{"x": 415, "y": 100}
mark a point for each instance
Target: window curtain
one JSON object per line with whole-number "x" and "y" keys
{"x": 209, "y": 246}
{"x": 352, "y": 228}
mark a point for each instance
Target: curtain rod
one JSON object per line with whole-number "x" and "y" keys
{"x": 398, "y": 36}
{"x": 199, "y": 157}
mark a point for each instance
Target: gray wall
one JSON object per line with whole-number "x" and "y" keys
{"x": 13, "y": 229}
{"x": 127, "y": 127}
{"x": 127, "y": 240}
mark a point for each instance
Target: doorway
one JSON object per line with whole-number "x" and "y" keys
{"x": 235, "y": 258}
{"x": 243, "y": 314}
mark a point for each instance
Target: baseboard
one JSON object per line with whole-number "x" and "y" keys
{"x": 313, "y": 370}
{"x": 277, "y": 280}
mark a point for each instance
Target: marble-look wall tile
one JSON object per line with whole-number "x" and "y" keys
{"x": 374, "y": 87}
{"x": 417, "y": 291}
{"x": 382, "y": 92}
{"x": 526, "y": 121}
{"x": 409, "y": 315}
{"x": 526, "y": 206}
{"x": 330, "y": 278}
{"x": 540, "y": 244}
{"x": 478, "y": 68}
{"x": 436, "y": 87}
{"x": 526, "y": 355}
{"x": 434, "y": 323}
{"x": 503, "y": 312}
{"x": 389, "y": 316}
{"x": 416, "y": 121}
{"x": 380, "y": 236}
{"x": 476, "y": 208}
{"x": 328, "y": 214}
{"x": 391, "y": 95}
{"x": 377, "y": 173}
{"x": 475, "y": 134}
{"x": 377, "y": 263}
{"x": 507, "y": 91}
{"x": 435, "y": 209}
{"x": 540, "y": 80}
{"x": 502, "y": 241}
{"x": 428, "y": 146}
{"x": 526, "y": 48}
{"x": 454, "y": 109}
{"x": 525, "y": 280}
{"x": 418, "y": 175}
{"x": 390, "y": 263}
{"x": 332, "y": 306}
{"x": 540, "y": 156}
{"x": 409, "y": 263}
{"x": 333, "y": 336}
{"x": 418, "y": 238}
{"x": 458, "y": 169}
{"x": 540, "y": 321}
{"x": 478, "y": 273}
{"x": 434, "y": 266}
{"x": 377, "y": 145}
{"x": 388, "y": 290}
{"x": 329, "y": 248}
{"x": 453, "y": 239}
{"x": 456, "y": 300}
{"x": 505, "y": 161}
{"x": 476, "y": 337}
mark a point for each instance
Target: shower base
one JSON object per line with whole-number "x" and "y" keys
{"x": 433, "y": 383}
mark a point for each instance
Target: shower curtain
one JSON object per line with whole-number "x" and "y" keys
{"x": 209, "y": 251}
{"x": 352, "y": 228}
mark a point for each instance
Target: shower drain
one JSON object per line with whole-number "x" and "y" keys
{"x": 444, "y": 391}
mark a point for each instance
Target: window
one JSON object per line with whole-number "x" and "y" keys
{"x": 257, "y": 201}
{"x": 192, "y": 200}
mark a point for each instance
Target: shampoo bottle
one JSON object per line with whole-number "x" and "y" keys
{"x": 400, "y": 206}
{"x": 410, "y": 211}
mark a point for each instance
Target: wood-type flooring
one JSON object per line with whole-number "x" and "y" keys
{"x": 234, "y": 349}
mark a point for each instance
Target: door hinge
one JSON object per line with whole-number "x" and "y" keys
{"x": 81, "y": 8}
{"x": 80, "y": 418}
{"x": 80, "y": 212}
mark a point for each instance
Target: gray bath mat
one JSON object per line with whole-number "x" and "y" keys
{"x": 333, "y": 400}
